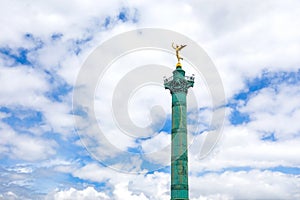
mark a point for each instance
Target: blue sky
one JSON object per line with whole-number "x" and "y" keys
{"x": 255, "y": 48}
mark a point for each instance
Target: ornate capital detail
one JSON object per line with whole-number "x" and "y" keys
{"x": 179, "y": 85}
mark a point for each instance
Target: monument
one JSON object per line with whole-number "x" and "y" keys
{"x": 178, "y": 84}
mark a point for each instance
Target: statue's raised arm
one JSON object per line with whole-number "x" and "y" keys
{"x": 177, "y": 49}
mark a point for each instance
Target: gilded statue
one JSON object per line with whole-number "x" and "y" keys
{"x": 177, "y": 49}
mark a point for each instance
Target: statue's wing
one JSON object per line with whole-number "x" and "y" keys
{"x": 173, "y": 45}
{"x": 181, "y": 47}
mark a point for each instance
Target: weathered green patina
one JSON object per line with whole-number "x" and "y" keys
{"x": 178, "y": 85}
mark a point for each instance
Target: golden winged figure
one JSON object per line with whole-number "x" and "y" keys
{"x": 177, "y": 49}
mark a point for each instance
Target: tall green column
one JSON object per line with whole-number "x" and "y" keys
{"x": 178, "y": 85}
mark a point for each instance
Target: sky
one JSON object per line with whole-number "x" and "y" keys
{"x": 49, "y": 149}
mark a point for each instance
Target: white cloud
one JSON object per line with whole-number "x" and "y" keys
{"x": 93, "y": 172}
{"x": 273, "y": 110}
{"x": 58, "y": 117}
{"x": 121, "y": 192}
{"x": 21, "y": 85}
{"x": 85, "y": 194}
{"x": 245, "y": 185}
{"x": 157, "y": 142}
{"x": 9, "y": 195}
{"x": 252, "y": 184}
{"x": 158, "y": 149}
{"x": 241, "y": 147}
{"x": 42, "y": 18}
{"x": 126, "y": 186}
{"x": 24, "y": 147}
{"x": 242, "y": 38}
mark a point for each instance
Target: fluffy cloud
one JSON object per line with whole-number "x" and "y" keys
{"x": 272, "y": 109}
{"x": 125, "y": 185}
{"x": 54, "y": 17}
{"x": 241, "y": 147}
{"x": 85, "y": 194}
{"x": 253, "y": 184}
{"x": 21, "y": 85}
{"x": 24, "y": 147}
{"x": 245, "y": 37}
{"x": 245, "y": 185}
{"x": 43, "y": 46}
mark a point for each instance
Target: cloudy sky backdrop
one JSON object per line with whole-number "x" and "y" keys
{"x": 255, "y": 46}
